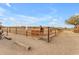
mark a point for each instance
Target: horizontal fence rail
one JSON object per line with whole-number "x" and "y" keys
{"x": 48, "y": 32}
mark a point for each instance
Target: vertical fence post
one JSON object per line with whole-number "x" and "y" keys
{"x": 30, "y": 32}
{"x": 48, "y": 35}
{"x": 41, "y": 32}
{"x": 16, "y": 30}
{"x": 25, "y": 31}
{"x": 55, "y": 32}
{"x": 7, "y": 30}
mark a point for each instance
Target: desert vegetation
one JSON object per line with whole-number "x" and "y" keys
{"x": 74, "y": 20}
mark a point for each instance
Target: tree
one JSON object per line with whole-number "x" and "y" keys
{"x": 74, "y": 20}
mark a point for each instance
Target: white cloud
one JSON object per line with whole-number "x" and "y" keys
{"x": 1, "y": 20}
{"x": 53, "y": 22}
{"x": 2, "y": 11}
{"x": 49, "y": 20}
{"x": 26, "y": 20}
{"x": 8, "y": 4}
{"x": 34, "y": 21}
{"x": 29, "y": 20}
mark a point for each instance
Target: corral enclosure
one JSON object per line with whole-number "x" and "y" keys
{"x": 31, "y": 31}
{"x": 16, "y": 30}
{"x": 23, "y": 42}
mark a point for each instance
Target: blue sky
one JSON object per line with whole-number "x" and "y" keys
{"x": 30, "y": 14}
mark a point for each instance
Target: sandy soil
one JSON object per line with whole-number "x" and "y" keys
{"x": 66, "y": 43}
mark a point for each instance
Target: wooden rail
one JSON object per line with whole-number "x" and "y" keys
{"x": 50, "y": 32}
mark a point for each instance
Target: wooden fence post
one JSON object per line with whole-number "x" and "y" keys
{"x": 7, "y": 30}
{"x": 30, "y": 31}
{"x": 26, "y": 32}
{"x": 48, "y": 35}
{"x": 16, "y": 30}
{"x": 55, "y": 32}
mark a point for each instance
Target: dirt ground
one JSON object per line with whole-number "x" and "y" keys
{"x": 66, "y": 43}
